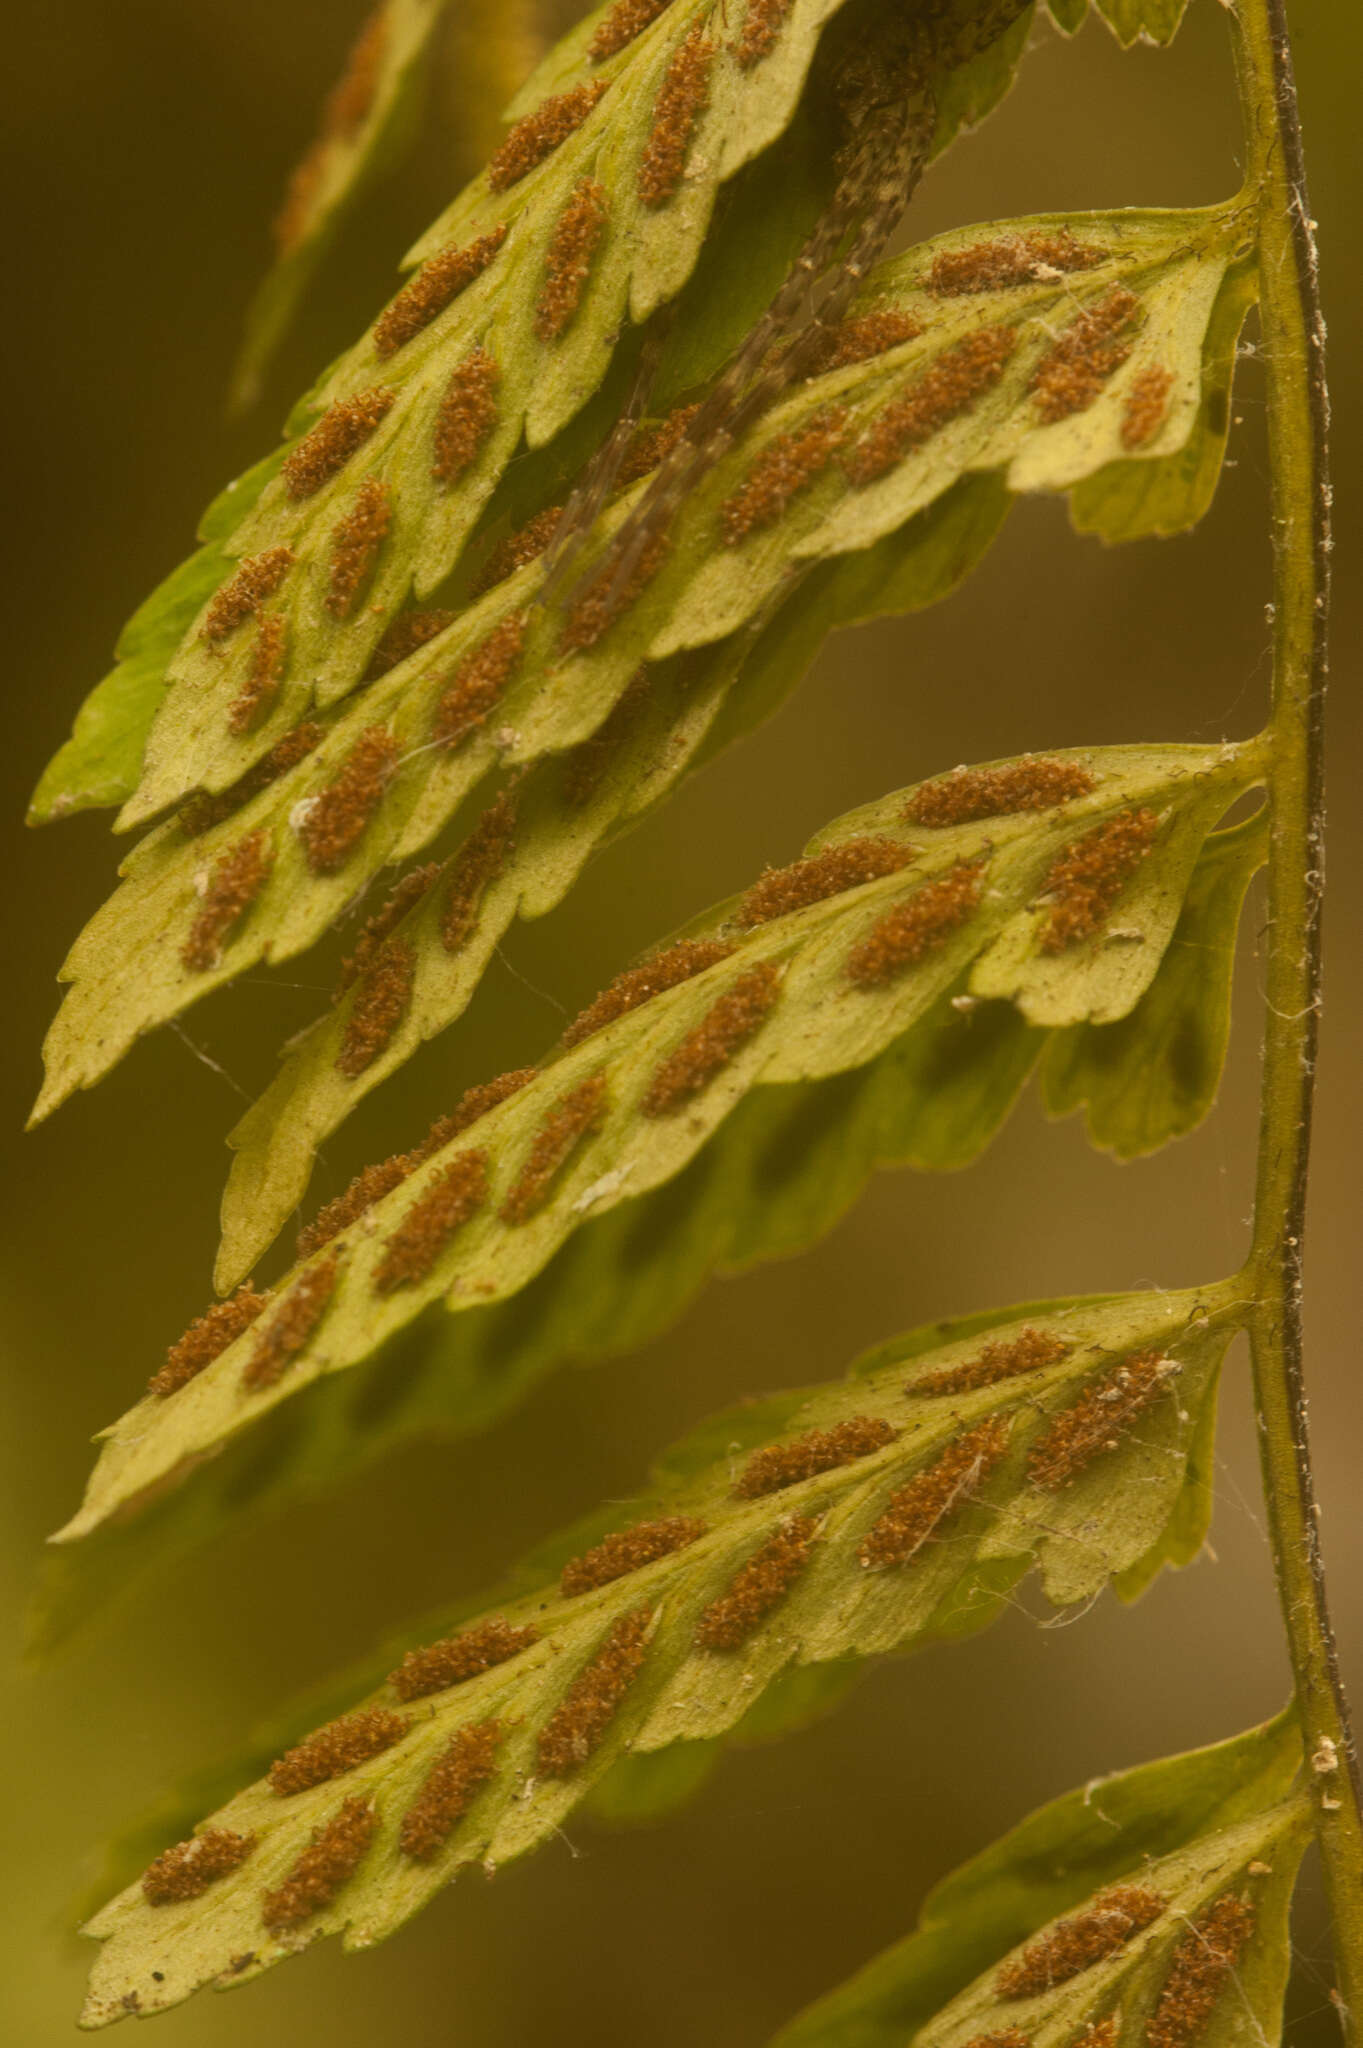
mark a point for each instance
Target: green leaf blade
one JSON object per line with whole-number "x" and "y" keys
{"x": 834, "y": 1611}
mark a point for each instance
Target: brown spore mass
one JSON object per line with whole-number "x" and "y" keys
{"x": 1027, "y": 1352}
{"x": 730, "y": 1022}
{"x": 206, "y": 1339}
{"x": 264, "y": 674}
{"x": 640, "y": 984}
{"x": 1098, "y": 1420}
{"x": 1146, "y": 402}
{"x": 913, "y": 929}
{"x": 407, "y": 635}
{"x": 626, "y": 20}
{"x": 682, "y": 98}
{"x": 208, "y": 809}
{"x": 463, "y": 1767}
{"x": 476, "y": 685}
{"x": 918, "y": 1509}
{"x": 777, "y": 1466}
{"x": 438, "y": 1666}
{"x": 474, "y": 1103}
{"x": 344, "y": 427}
{"x": 325, "y": 1866}
{"x": 395, "y": 906}
{"x": 758, "y": 1586}
{"x": 339, "y": 816}
{"x": 780, "y": 891}
{"x": 861, "y": 339}
{"x": 338, "y": 1747}
{"x": 586, "y": 765}
{"x": 564, "y": 1126}
{"x": 355, "y": 546}
{"x": 234, "y": 881}
{"x": 1006, "y": 2037}
{"x": 242, "y": 595}
{"x": 568, "y": 259}
{"x": 436, "y": 285}
{"x": 783, "y": 469}
{"x": 190, "y": 1867}
{"x": 1074, "y": 1945}
{"x": 762, "y": 21}
{"x": 477, "y": 864}
{"x": 579, "y": 1723}
{"x": 372, "y": 1183}
{"x": 540, "y": 133}
{"x": 289, "y": 1329}
{"x": 513, "y": 552}
{"x": 946, "y": 389}
{"x": 601, "y": 604}
{"x": 1203, "y": 1961}
{"x": 629, "y": 1550}
{"x": 1086, "y": 880}
{"x": 1092, "y": 348}
{"x": 969, "y": 794}
{"x": 467, "y": 415}
{"x": 456, "y": 1193}
{"x": 652, "y": 445}
{"x": 1018, "y": 259}
{"x": 379, "y": 1006}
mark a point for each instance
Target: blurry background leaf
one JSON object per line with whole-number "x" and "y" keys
{"x": 366, "y": 122}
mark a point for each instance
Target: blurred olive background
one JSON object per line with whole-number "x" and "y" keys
{"x": 145, "y": 146}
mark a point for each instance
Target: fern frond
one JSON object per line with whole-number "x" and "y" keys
{"x": 875, "y": 1514}
{"x": 362, "y": 126}
{"x": 1144, "y": 1082}
{"x": 116, "y": 715}
{"x": 1058, "y": 901}
{"x": 476, "y": 309}
{"x": 564, "y": 812}
{"x": 777, "y": 1175}
{"x": 911, "y": 413}
{"x": 1212, "y": 1839}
